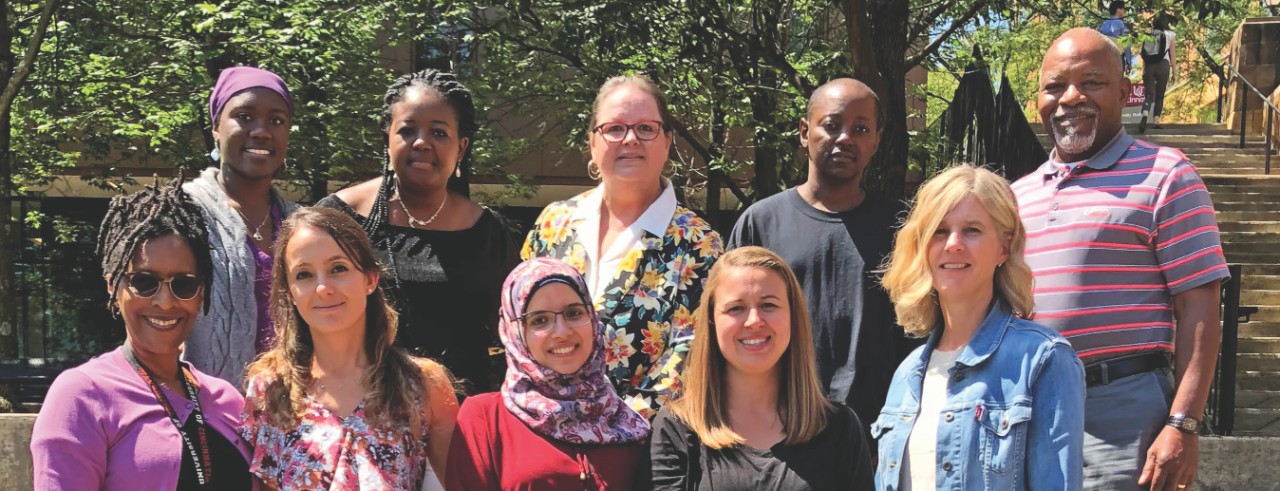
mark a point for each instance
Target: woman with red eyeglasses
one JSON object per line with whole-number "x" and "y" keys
{"x": 138, "y": 418}
{"x": 643, "y": 255}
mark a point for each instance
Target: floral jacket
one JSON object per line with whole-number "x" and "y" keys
{"x": 648, "y": 306}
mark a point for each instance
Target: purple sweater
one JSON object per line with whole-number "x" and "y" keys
{"x": 101, "y": 428}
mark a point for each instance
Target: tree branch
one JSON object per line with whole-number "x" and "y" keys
{"x": 23, "y": 69}
{"x": 933, "y": 47}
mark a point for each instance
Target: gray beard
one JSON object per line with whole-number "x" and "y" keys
{"x": 1071, "y": 142}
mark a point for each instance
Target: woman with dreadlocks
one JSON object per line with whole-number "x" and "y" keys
{"x": 446, "y": 256}
{"x": 138, "y": 418}
{"x": 334, "y": 405}
{"x": 251, "y": 110}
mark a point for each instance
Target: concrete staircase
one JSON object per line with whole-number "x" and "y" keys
{"x": 1248, "y": 205}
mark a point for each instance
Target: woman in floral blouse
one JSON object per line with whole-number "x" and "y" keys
{"x": 333, "y": 405}
{"x": 643, "y": 255}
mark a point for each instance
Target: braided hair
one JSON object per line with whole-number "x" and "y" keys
{"x": 153, "y": 212}
{"x": 458, "y": 97}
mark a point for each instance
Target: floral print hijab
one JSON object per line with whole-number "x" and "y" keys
{"x": 578, "y": 408}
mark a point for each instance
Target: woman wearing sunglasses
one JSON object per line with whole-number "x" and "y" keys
{"x": 138, "y": 418}
{"x": 556, "y": 423}
{"x": 643, "y": 255}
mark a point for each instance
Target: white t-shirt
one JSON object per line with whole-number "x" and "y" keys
{"x": 922, "y": 444}
{"x": 602, "y": 268}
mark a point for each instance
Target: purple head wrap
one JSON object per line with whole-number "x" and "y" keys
{"x": 577, "y": 408}
{"x": 235, "y": 80}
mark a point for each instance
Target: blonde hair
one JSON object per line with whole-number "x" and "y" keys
{"x": 397, "y": 383}
{"x": 638, "y": 81}
{"x": 907, "y": 275}
{"x": 803, "y": 409}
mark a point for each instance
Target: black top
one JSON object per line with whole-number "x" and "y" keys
{"x": 449, "y": 286}
{"x": 230, "y": 470}
{"x": 836, "y": 459}
{"x": 857, "y": 341}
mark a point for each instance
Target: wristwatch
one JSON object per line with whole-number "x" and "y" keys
{"x": 1183, "y": 423}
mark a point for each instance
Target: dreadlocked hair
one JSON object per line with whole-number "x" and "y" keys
{"x": 459, "y": 98}
{"x": 154, "y": 211}
{"x": 396, "y": 382}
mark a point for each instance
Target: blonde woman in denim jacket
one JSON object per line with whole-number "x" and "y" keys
{"x": 992, "y": 401}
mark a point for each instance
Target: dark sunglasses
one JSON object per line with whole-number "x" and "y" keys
{"x": 182, "y": 286}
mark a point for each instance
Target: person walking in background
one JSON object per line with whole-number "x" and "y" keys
{"x": 1124, "y": 245}
{"x": 847, "y": 233}
{"x": 251, "y": 111}
{"x": 334, "y": 405}
{"x": 557, "y": 422}
{"x": 1159, "y": 56}
{"x": 753, "y": 415}
{"x": 445, "y": 255}
{"x": 992, "y": 400}
{"x": 1115, "y": 28}
{"x": 138, "y": 418}
{"x": 643, "y": 255}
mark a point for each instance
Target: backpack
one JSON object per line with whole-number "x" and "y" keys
{"x": 1155, "y": 51}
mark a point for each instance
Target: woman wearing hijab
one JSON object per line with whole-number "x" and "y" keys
{"x": 557, "y": 422}
{"x": 251, "y": 111}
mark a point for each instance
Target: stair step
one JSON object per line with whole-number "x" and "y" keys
{"x": 1245, "y": 203}
{"x": 1257, "y": 421}
{"x": 1266, "y": 314}
{"x": 1261, "y": 399}
{"x": 1249, "y": 226}
{"x": 1261, "y": 344}
{"x": 1261, "y": 270}
{"x": 1259, "y": 362}
{"x": 1250, "y": 248}
{"x": 1259, "y": 329}
{"x": 1253, "y": 257}
{"x": 1265, "y": 182}
{"x": 1259, "y": 281}
{"x": 1255, "y": 380}
{"x": 1249, "y": 216}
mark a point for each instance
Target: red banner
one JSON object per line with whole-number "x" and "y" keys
{"x": 1137, "y": 93}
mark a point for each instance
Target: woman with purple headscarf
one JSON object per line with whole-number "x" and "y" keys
{"x": 557, "y": 422}
{"x": 251, "y": 112}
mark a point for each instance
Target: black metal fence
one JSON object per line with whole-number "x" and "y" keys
{"x": 1220, "y": 414}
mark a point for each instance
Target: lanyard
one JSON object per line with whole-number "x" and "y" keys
{"x": 201, "y": 457}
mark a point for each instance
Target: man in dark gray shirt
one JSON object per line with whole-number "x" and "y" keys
{"x": 835, "y": 236}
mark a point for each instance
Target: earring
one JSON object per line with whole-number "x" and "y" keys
{"x": 457, "y": 169}
{"x": 213, "y": 154}
{"x": 593, "y": 171}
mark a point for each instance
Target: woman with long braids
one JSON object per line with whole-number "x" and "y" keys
{"x": 251, "y": 110}
{"x": 446, "y": 256}
{"x": 334, "y": 405}
{"x": 138, "y": 418}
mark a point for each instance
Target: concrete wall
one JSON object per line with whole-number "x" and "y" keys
{"x": 1255, "y": 52}
{"x": 1233, "y": 464}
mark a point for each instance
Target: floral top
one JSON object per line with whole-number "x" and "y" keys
{"x": 648, "y": 306}
{"x": 329, "y": 452}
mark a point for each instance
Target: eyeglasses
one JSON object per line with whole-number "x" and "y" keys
{"x": 182, "y": 286}
{"x": 542, "y": 320}
{"x": 616, "y": 132}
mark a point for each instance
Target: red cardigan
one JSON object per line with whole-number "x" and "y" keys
{"x": 492, "y": 450}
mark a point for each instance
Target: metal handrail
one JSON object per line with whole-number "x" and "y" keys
{"x": 1244, "y": 109}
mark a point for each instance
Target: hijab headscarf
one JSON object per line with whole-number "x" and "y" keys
{"x": 238, "y": 79}
{"x": 578, "y": 408}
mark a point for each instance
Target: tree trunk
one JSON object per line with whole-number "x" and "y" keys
{"x": 889, "y": 167}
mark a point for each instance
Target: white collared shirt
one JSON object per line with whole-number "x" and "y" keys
{"x": 655, "y": 220}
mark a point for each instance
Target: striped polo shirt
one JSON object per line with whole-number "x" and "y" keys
{"x": 1112, "y": 239}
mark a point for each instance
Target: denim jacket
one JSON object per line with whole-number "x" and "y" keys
{"x": 1013, "y": 417}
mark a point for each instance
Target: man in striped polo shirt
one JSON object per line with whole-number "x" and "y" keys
{"x": 1124, "y": 245}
